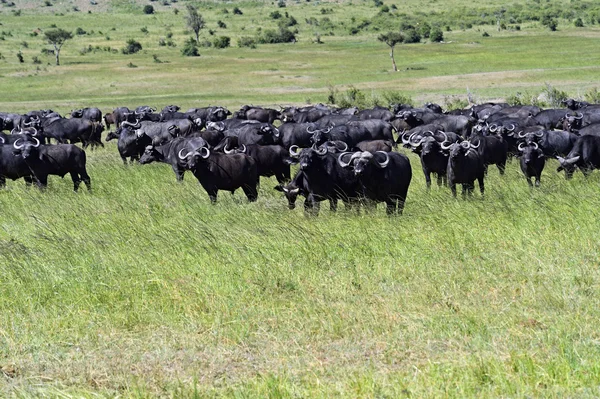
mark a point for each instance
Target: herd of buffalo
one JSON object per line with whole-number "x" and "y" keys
{"x": 343, "y": 154}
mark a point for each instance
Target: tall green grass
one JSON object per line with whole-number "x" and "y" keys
{"x": 142, "y": 288}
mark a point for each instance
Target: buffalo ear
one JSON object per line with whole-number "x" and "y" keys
{"x": 291, "y": 161}
{"x": 278, "y": 187}
{"x": 559, "y": 168}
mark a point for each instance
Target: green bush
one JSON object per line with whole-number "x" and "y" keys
{"x": 221, "y": 42}
{"x": 270, "y": 36}
{"x": 275, "y": 14}
{"x": 148, "y": 9}
{"x": 593, "y": 96}
{"x": 578, "y": 23}
{"x": 246, "y": 41}
{"x": 412, "y": 36}
{"x": 436, "y": 35}
{"x": 237, "y": 11}
{"x": 80, "y": 31}
{"x": 132, "y": 47}
{"x": 190, "y": 48}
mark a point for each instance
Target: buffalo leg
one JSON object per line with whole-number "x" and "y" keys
{"x": 529, "y": 181}
{"x": 440, "y": 180}
{"x": 178, "y": 173}
{"x": 42, "y": 182}
{"x": 453, "y": 189}
{"x": 390, "y": 208}
{"x": 481, "y": 185}
{"x": 428, "y": 178}
{"x": 125, "y": 160}
{"x": 333, "y": 204}
{"x": 76, "y": 180}
{"x": 28, "y": 181}
{"x": 501, "y": 167}
{"x": 86, "y": 179}
{"x": 2, "y": 181}
{"x": 401, "y": 202}
{"x": 537, "y": 180}
{"x": 251, "y": 193}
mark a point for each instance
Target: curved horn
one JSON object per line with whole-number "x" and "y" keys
{"x": 465, "y": 144}
{"x": 275, "y": 132}
{"x": 445, "y": 147}
{"x": 37, "y": 142}
{"x": 135, "y": 125}
{"x": 182, "y": 157}
{"x": 521, "y": 147}
{"x": 387, "y": 160}
{"x": 206, "y": 151}
{"x": 328, "y": 130}
{"x": 243, "y": 150}
{"x": 14, "y": 131}
{"x": 17, "y": 146}
{"x": 473, "y": 146}
{"x": 321, "y": 151}
{"x": 521, "y": 134}
{"x": 226, "y": 150}
{"x": 578, "y": 117}
{"x": 445, "y": 135}
{"x": 310, "y": 131}
{"x": 511, "y": 129}
{"x": 345, "y": 146}
{"x": 539, "y": 134}
{"x": 341, "y": 161}
{"x": 3, "y": 141}
{"x": 295, "y": 151}
{"x": 428, "y": 132}
{"x": 493, "y": 128}
{"x": 405, "y": 141}
{"x": 536, "y": 145}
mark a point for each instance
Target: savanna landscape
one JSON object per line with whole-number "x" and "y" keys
{"x": 143, "y": 288}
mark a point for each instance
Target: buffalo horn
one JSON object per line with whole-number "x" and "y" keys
{"x": 182, "y": 157}
{"x": 475, "y": 147}
{"x": 578, "y": 117}
{"x": 387, "y": 160}
{"x": 521, "y": 147}
{"x": 17, "y": 146}
{"x": 445, "y": 147}
{"x": 203, "y": 151}
{"x": 243, "y": 150}
{"x": 309, "y": 131}
{"x": 539, "y": 134}
{"x": 37, "y": 143}
{"x": 275, "y": 132}
{"x": 511, "y": 129}
{"x": 227, "y": 150}
{"x": 3, "y": 141}
{"x": 536, "y": 145}
{"x": 341, "y": 161}
{"x": 521, "y": 134}
{"x": 465, "y": 144}
{"x": 493, "y": 128}
{"x": 321, "y": 151}
{"x": 295, "y": 151}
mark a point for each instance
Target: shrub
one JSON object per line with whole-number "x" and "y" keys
{"x": 221, "y": 42}
{"x": 148, "y": 9}
{"x": 80, "y": 31}
{"x": 554, "y": 96}
{"x": 221, "y": 24}
{"x": 281, "y": 3}
{"x": 412, "y": 36}
{"x": 36, "y": 60}
{"x": 20, "y": 57}
{"x": 282, "y": 35}
{"x": 396, "y": 97}
{"x": 425, "y": 30}
{"x": 132, "y": 47}
{"x": 190, "y": 48}
{"x": 592, "y": 96}
{"x": 131, "y": 65}
{"x": 455, "y": 102}
{"x": 578, "y": 23}
{"x": 237, "y": 11}
{"x": 275, "y": 15}
{"x": 436, "y": 35}
{"x": 246, "y": 41}
{"x": 144, "y": 30}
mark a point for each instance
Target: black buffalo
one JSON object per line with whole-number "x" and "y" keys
{"x": 464, "y": 167}
{"x": 532, "y": 162}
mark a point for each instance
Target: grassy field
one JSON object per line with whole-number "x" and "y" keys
{"x": 141, "y": 288}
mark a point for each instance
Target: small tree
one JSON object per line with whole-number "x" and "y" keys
{"x": 391, "y": 39}
{"x": 57, "y": 37}
{"x": 194, "y": 20}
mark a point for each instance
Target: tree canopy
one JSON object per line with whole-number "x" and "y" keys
{"x": 57, "y": 37}
{"x": 194, "y": 20}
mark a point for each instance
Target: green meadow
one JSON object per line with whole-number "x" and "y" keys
{"x": 142, "y": 288}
